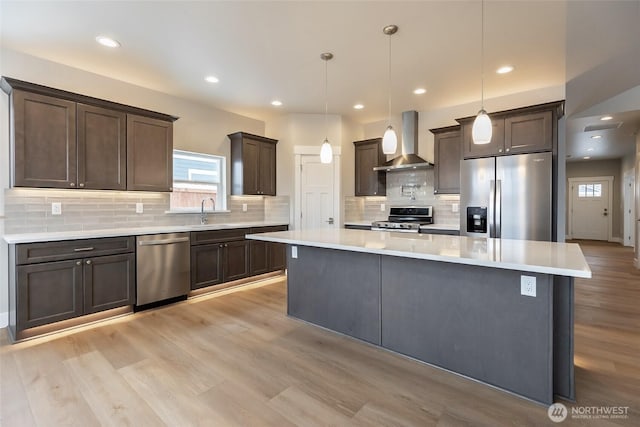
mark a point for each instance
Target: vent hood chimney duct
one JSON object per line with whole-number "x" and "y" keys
{"x": 409, "y": 159}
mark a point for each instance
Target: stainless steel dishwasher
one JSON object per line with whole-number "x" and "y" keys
{"x": 163, "y": 267}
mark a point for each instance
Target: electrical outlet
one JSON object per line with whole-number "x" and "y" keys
{"x": 139, "y": 208}
{"x": 56, "y": 208}
{"x": 294, "y": 252}
{"x": 455, "y": 207}
{"x": 528, "y": 286}
{"x": 382, "y": 207}
{"x": 244, "y": 207}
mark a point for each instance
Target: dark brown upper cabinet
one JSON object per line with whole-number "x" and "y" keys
{"x": 61, "y": 139}
{"x": 368, "y": 154}
{"x": 149, "y": 154}
{"x": 102, "y": 148}
{"x": 253, "y": 164}
{"x": 493, "y": 148}
{"x": 523, "y": 130}
{"x": 43, "y": 141}
{"x": 448, "y": 153}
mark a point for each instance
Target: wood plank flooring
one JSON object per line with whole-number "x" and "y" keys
{"x": 238, "y": 360}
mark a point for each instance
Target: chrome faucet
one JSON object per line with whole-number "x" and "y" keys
{"x": 203, "y": 215}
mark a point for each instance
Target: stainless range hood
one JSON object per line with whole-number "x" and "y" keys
{"x": 409, "y": 159}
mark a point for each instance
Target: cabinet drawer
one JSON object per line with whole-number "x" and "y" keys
{"x": 269, "y": 229}
{"x": 31, "y": 253}
{"x": 217, "y": 236}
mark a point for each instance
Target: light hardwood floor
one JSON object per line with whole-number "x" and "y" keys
{"x": 236, "y": 359}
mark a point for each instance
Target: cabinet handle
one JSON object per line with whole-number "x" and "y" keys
{"x": 221, "y": 246}
{"x": 507, "y": 150}
{"x": 499, "y": 150}
{"x": 78, "y": 262}
{"x": 88, "y": 248}
{"x": 72, "y": 184}
{"x": 88, "y": 262}
{"x": 81, "y": 184}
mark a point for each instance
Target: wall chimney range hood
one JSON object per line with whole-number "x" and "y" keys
{"x": 409, "y": 159}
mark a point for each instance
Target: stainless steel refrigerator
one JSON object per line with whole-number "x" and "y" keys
{"x": 507, "y": 197}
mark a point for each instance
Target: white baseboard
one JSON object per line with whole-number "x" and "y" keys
{"x": 4, "y": 319}
{"x": 616, "y": 240}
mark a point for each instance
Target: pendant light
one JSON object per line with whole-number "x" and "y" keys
{"x": 389, "y": 139}
{"x": 482, "y": 127}
{"x": 326, "y": 152}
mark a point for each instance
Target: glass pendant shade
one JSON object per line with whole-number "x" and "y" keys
{"x": 482, "y": 128}
{"x": 389, "y": 141}
{"x": 326, "y": 152}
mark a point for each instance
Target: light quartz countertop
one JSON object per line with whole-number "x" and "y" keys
{"x": 561, "y": 259}
{"x": 132, "y": 231}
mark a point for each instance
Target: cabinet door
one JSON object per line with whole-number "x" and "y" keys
{"x": 236, "y": 260}
{"x": 259, "y": 257}
{"x": 102, "y": 144}
{"x": 44, "y": 141}
{"x": 48, "y": 293}
{"x": 149, "y": 154}
{"x": 109, "y": 282}
{"x": 277, "y": 256}
{"x": 250, "y": 167}
{"x": 494, "y": 148}
{"x": 267, "y": 169}
{"x": 528, "y": 133}
{"x": 447, "y": 150}
{"x": 206, "y": 265}
{"x": 368, "y": 155}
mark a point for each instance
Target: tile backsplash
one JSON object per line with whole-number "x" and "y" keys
{"x": 404, "y": 188}
{"x": 29, "y": 210}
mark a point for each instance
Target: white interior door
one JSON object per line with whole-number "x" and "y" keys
{"x": 590, "y": 208}
{"x": 317, "y": 193}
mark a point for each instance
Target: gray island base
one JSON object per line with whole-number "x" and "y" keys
{"x": 469, "y": 319}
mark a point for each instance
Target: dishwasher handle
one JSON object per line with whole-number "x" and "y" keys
{"x": 163, "y": 241}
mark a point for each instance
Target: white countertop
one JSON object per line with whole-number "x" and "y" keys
{"x": 132, "y": 231}
{"x": 562, "y": 259}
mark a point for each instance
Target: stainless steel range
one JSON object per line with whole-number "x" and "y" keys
{"x": 407, "y": 219}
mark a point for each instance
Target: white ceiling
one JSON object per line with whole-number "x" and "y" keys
{"x": 265, "y": 50}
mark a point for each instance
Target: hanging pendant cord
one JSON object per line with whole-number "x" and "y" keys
{"x": 482, "y": 59}
{"x": 389, "y": 80}
{"x": 326, "y": 100}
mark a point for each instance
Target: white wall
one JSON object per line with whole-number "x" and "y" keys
{"x": 200, "y": 127}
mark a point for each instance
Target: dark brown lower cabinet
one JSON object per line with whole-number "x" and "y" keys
{"x": 236, "y": 260}
{"x": 48, "y": 293}
{"x": 259, "y": 257}
{"x": 216, "y": 263}
{"x": 277, "y": 256}
{"x": 108, "y": 282}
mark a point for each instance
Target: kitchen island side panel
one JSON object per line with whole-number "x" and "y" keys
{"x": 471, "y": 320}
{"x": 563, "y": 313}
{"x": 339, "y": 290}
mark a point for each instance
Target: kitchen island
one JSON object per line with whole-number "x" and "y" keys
{"x": 454, "y": 302}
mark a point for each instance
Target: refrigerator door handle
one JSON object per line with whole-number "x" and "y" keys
{"x": 498, "y": 209}
{"x": 490, "y": 214}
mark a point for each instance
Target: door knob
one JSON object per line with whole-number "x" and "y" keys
{"x": 330, "y": 221}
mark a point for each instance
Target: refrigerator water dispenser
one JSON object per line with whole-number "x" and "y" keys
{"x": 476, "y": 219}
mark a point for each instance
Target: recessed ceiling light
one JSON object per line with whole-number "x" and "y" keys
{"x": 276, "y": 103}
{"x": 606, "y": 118}
{"x": 590, "y": 149}
{"x": 358, "y": 106}
{"x": 420, "y": 91}
{"x": 212, "y": 79}
{"x": 596, "y": 136}
{"x": 504, "y": 70}
{"x": 586, "y": 157}
{"x": 107, "y": 41}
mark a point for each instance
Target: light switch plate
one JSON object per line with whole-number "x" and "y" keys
{"x": 244, "y": 207}
{"x": 294, "y": 252}
{"x": 56, "y": 208}
{"x": 139, "y": 208}
{"x": 382, "y": 207}
{"x": 528, "y": 286}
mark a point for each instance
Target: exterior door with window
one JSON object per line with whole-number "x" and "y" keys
{"x": 317, "y": 194}
{"x": 590, "y": 209}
